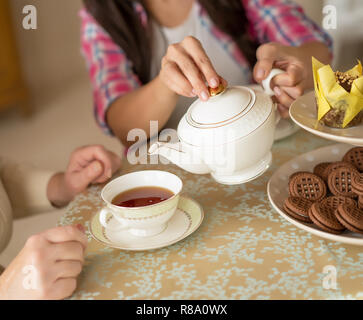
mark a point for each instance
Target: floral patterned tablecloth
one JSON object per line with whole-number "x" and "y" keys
{"x": 243, "y": 249}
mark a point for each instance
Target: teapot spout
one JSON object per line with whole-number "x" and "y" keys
{"x": 178, "y": 155}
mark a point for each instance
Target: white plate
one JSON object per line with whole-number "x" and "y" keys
{"x": 303, "y": 112}
{"x": 277, "y": 189}
{"x": 187, "y": 218}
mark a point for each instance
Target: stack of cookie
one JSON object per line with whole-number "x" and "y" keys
{"x": 357, "y": 187}
{"x": 332, "y": 196}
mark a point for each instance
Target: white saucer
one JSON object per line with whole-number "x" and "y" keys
{"x": 185, "y": 221}
{"x": 285, "y": 128}
{"x": 303, "y": 112}
{"x": 277, "y": 189}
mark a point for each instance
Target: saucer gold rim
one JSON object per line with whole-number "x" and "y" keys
{"x": 190, "y": 229}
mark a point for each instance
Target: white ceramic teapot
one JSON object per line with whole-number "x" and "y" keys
{"x": 229, "y": 136}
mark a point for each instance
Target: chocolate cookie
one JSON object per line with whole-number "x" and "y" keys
{"x": 335, "y": 165}
{"x": 357, "y": 184}
{"x": 298, "y": 208}
{"x": 355, "y": 157}
{"x": 307, "y": 185}
{"x": 296, "y": 216}
{"x": 335, "y": 201}
{"x": 324, "y": 217}
{"x": 351, "y": 217}
{"x": 360, "y": 202}
{"x": 296, "y": 174}
{"x": 340, "y": 182}
{"x": 319, "y": 170}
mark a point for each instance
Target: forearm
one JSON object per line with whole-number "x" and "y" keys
{"x": 153, "y": 101}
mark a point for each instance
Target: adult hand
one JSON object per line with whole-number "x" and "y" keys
{"x": 47, "y": 267}
{"x": 87, "y": 165}
{"x": 186, "y": 68}
{"x": 289, "y": 85}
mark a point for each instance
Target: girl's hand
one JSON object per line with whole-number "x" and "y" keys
{"x": 87, "y": 165}
{"x": 186, "y": 68}
{"x": 47, "y": 267}
{"x": 287, "y": 86}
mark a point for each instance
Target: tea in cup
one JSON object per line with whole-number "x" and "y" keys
{"x": 141, "y": 202}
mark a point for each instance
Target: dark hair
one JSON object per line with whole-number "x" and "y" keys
{"x": 123, "y": 24}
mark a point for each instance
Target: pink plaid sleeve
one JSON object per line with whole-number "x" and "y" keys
{"x": 109, "y": 69}
{"x": 282, "y": 21}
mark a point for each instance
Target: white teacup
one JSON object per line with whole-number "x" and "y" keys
{"x": 141, "y": 221}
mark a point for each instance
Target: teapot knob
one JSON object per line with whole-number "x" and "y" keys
{"x": 266, "y": 84}
{"x": 216, "y": 91}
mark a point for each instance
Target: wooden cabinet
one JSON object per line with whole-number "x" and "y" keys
{"x": 13, "y": 92}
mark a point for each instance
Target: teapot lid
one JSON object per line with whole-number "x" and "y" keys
{"x": 227, "y": 106}
{"x": 238, "y": 110}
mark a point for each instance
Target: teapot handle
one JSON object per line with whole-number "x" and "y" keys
{"x": 266, "y": 84}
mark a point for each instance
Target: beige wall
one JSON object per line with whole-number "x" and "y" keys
{"x": 313, "y": 8}
{"x": 50, "y": 55}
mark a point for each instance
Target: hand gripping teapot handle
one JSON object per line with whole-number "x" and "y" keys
{"x": 266, "y": 84}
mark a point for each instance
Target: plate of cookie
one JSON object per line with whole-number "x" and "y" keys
{"x": 303, "y": 112}
{"x": 323, "y": 193}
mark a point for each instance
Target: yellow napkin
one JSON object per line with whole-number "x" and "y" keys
{"x": 330, "y": 94}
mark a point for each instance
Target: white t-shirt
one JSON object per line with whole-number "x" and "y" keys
{"x": 224, "y": 64}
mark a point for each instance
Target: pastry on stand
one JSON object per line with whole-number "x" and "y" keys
{"x": 339, "y": 95}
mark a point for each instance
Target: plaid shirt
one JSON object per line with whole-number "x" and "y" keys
{"x": 111, "y": 71}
